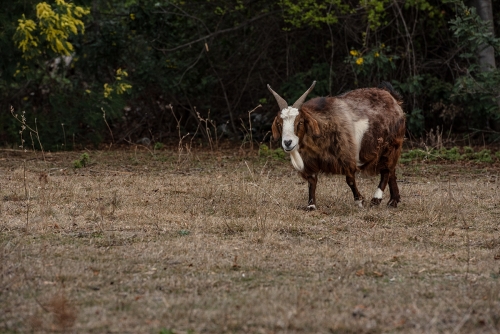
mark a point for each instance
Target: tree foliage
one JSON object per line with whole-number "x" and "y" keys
{"x": 67, "y": 63}
{"x": 54, "y": 27}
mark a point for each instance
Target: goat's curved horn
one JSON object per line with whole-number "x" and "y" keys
{"x": 281, "y": 102}
{"x": 301, "y": 99}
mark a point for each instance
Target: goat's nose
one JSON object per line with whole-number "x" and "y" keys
{"x": 287, "y": 143}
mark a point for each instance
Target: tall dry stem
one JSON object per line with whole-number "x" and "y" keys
{"x": 27, "y": 196}
{"x": 24, "y": 126}
{"x": 109, "y": 128}
{"x": 180, "y": 146}
{"x": 211, "y": 122}
{"x": 248, "y": 131}
{"x": 64, "y": 135}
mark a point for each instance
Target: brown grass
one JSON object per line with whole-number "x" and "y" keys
{"x": 135, "y": 243}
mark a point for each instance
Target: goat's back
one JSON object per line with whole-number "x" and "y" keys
{"x": 383, "y": 118}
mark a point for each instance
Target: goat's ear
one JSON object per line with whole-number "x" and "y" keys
{"x": 275, "y": 128}
{"x": 313, "y": 124}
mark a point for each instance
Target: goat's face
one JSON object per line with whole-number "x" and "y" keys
{"x": 285, "y": 125}
{"x": 291, "y": 125}
{"x": 290, "y": 122}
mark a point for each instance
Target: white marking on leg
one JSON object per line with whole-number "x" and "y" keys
{"x": 311, "y": 207}
{"x": 378, "y": 193}
{"x": 360, "y": 128}
{"x": 359, "y": 203}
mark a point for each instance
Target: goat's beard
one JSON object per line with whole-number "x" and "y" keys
{"x": 296, "y": 159}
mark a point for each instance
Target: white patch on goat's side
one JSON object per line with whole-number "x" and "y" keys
{"x": 297, "y": 161}
{"x": 359, "y": 203}
{"x": 288, "y": 134}
{"x": 360, "y": 128}
{"x": 378, "y": 193}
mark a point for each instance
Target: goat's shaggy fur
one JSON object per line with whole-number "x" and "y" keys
{"x": 359, "y": 131}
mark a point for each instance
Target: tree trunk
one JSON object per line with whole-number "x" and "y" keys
{"x": 486, "y": 53}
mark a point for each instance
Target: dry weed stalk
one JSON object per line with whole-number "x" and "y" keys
{"x": 64, "y": 134}
{"x": 436, "y": 139}
{"x": 249, "y": 130}
{"x": 208, "y": 121}
{"x": 109, "y": 128}
{"x": 27, "y": 196}
{"x": 147, "y": 148}
{"x": 25, "y": 126}
{"x": 250, "y": 171}
{"x": 180, "y": 146}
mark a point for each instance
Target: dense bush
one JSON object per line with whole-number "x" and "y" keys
{"x": 137, "y": 57}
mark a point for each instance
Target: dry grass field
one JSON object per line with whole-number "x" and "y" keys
{"x": 221, "y": 243}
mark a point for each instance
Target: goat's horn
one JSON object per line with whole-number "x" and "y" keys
{"x": 301, "y": 99}
{"x": 281, "y": 102}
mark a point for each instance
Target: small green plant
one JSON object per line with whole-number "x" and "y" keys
{"x": 453, "y": 154}
{"x": 483, "y": 156}
{"x": 265, "y": 151}
{"x": 183, "y": 233}
{"x": 158, "y": 146}
{"x": 83, "y": 161}
{"x": 166, "y": 331}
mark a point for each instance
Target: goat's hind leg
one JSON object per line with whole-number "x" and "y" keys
{"x": 393, "y": 188}
{"x": 384, "y": 179}
{"x": 312, "y": 181}
{"x": 351, "y": 181}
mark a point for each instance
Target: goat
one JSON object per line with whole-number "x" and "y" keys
{"x": 358, "y": 131}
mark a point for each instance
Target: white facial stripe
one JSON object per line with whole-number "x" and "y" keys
{"x": 378, "y": 194}
{"x": 288, "y": 128}
{"x": 360, "y": 128}
{"x": 288, "y": 115}
{"x": 290, "y": 141}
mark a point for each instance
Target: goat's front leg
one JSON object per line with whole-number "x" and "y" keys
{"x": 384, "y": 178}
{"x": 312, "y": 181}
{"x": 351, "y": 181}
{"x": 393, "y": 187}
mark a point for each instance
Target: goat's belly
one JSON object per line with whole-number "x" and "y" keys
{"x": 367, "y": 170}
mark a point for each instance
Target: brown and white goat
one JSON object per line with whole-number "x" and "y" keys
{"x": 359, "y": 131}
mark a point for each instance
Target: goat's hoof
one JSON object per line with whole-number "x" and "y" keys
{"x": 393, "y": 203}
{"x": 359, "y": 203}
{"x": 375, "y": 201}
{"x": 311, "y": 207}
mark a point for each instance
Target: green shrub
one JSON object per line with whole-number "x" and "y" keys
{"x": 159, "y": 146}
{"x": 265, "y": 151}
{"x": 483, "y": 156}
{"x": 82, "y": 162}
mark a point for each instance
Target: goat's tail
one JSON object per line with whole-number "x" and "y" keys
{"x": 388, "y": 87}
